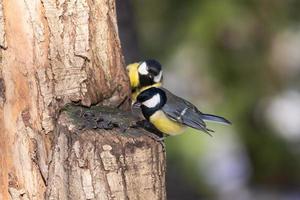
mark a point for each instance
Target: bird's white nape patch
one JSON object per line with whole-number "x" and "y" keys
{"x": 143, "y": 69}
{"x": 154, "y": 101}
{"x": 157, "y": 78}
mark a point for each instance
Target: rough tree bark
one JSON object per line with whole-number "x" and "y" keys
{"x": 55, "y": 52}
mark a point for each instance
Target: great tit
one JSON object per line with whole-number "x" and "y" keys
{"x": 171, "y": 114}
{"x": 143, "y": 75}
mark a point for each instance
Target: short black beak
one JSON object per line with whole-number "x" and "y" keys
{"x": 136, "y": 105}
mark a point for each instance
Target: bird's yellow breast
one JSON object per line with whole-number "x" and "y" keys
{"x": 165, "y": 124}
{"x": 133, "y": 74}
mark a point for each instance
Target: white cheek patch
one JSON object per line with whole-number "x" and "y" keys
{"x": 154, "y": 101}
{"x": 157, "y": 78}
{"x": 143, "y": 69}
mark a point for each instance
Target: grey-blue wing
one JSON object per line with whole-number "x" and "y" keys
{"x": 183, "y": 112}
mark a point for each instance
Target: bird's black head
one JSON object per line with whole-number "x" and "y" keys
{"x": 151, "y": 100}
{"x": 154, "y": 67}
{"x": 150, "y": 72}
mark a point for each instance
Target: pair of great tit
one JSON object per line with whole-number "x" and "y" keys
{"x": 167, "y": 112}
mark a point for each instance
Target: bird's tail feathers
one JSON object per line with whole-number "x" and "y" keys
{"x": 214, "y": 118}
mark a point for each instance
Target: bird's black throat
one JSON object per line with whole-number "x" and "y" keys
{"x": 147, "y": 112}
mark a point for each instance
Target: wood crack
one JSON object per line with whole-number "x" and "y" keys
{"x": 123, "y": 169}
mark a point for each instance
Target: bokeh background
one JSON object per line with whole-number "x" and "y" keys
{"x": 236, "y": 58}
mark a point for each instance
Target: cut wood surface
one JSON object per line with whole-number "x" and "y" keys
{"x": 117, "y": 161}
{"x": 54, "y": 52}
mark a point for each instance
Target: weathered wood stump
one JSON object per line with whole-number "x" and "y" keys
{"x": 104, "y": 155}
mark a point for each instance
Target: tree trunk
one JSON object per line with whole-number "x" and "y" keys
{"x": 55, "y": 52}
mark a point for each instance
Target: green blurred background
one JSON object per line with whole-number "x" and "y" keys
{"x": 238, "y": 59}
